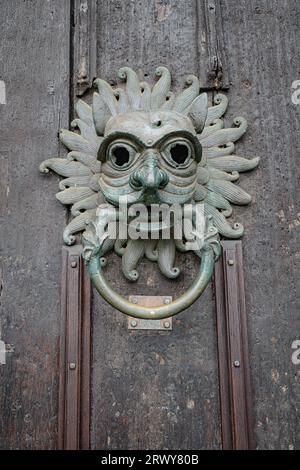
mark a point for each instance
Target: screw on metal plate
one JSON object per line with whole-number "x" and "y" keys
{"x": 237, "y": 363}
{"x": 72, "y": 366}
{"x": 150, "y": 301}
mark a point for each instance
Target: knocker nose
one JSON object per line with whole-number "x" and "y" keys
{"x": 149, "y": 176}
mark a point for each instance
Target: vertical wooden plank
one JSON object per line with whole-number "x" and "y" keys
{"x": 84, "y": 44}
{"x": 34, "y": 56}
{"x": 234, "y": 373}
{"x": 213, "y": 68}
{"x": 263, "y": 41}
{"x": 74, "y": 392}
{"x": 175, "y": 403}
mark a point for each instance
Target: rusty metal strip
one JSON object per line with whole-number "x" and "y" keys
{"x": 74, "y": 387}
{"x": 233, "y": 353}
{"x": 84, "y": 44}
{"x": 213, "y": 70}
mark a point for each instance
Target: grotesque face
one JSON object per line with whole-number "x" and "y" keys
{"x": 149, "y": 157}
{"x": 155, "y": 147}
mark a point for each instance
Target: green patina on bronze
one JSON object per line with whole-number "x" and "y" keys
{"x": 152, "y": 146}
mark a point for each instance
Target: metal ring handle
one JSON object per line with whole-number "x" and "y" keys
{"x": 153, "y": 313}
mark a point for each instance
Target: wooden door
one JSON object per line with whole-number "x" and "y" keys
{"x": 147, "y": 389}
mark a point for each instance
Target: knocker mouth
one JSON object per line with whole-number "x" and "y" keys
{"x": 152, "y": 227}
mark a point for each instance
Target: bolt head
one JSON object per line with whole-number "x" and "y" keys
{"x": 230, "y": 262}
{"x": 74, "y": 264}
{"x": 167, "y": 324}
{"x": 237, "y": 363}
{"x": 134, "y": 300}
{"x": 133, "y": 323}
{"x": 167, "y": 301}
{"x": 72, "y": 366}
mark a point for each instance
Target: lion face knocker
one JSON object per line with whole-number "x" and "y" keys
{"x": 149, "y": 147}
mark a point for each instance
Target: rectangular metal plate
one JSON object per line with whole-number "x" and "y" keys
{"x": 150, "y": 301}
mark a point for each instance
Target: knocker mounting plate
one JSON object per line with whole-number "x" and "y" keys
{"x": 150, "y": 301}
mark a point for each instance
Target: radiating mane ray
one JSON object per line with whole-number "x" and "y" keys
{"x": 77, "y": 225}
{"x": 218, "y": 201}
{"x": 133, "y": 89}
{"x": 230, "y": 191}
{"x": 107, "y": 94}
{"x": 186, "y": 97}
{"x": 72, "y": 195}
{"x": 217, "y": 111}
{"x": 90, "y": 202}
{"x": 123, "y": 102}
{"x": 215, "y": 173}
{"x": 74, "y": 181}
{"x": 216, "y": 125}
{"x": 213, "y": 152}
{"x": 145, "y": 101}
{"x": 169, "y": 101}
{"x": 233, "y": 163}
{"x": 64, "y": 167}
{"x": 161, "y": 88}
{"x": 85, "y": 159}
{"x": 101, "y": 113}
{"x": 84, "y": 112}
{"x": 223, "y": 136}
{"x": 221, "y": 223}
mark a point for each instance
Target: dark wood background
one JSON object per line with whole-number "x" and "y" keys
{"x": 149, "y": 390}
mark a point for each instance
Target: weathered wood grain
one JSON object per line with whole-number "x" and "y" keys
{"x": 145, "y": 34}
{"x": 34, "y": 53}
{"x": 84, "y": 44}
{"x": 262, "y": 40}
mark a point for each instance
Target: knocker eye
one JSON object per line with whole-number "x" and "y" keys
{"x": 121, "y": 155}
{"x": 179, "y": 153}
